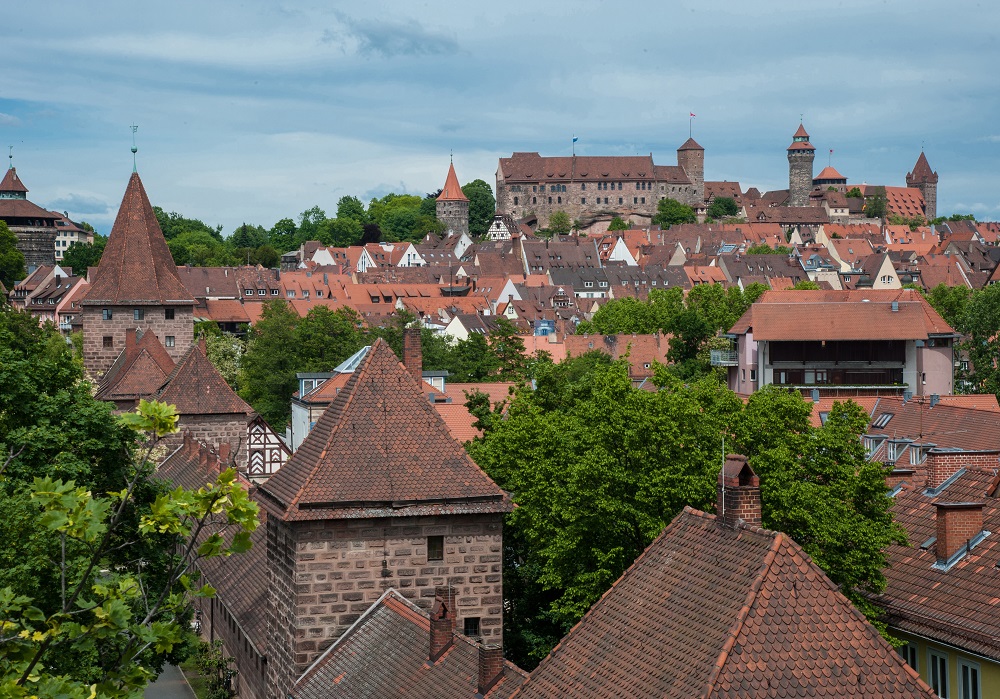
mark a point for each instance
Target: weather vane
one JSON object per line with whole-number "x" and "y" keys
{"x": 134, "y": 149}
{"x": 11, "y": 155}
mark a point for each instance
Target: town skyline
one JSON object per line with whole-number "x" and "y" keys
{"x": 257, "y": 115}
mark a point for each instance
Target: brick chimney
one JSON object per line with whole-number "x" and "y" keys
{"x": 224, "y": 450}
{"x": 203, "y": 456}
{"x": 442, "y": 622}
{"x": 739, "y": 493}
{"x": 413, "y": 358}
{"x": 957, "y": 524}
{"x": 131, "y": 338}
{"x": 490, "y": 667}
{"x": 943, "y": 464}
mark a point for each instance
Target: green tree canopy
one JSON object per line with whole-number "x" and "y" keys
{"x": 854, "y": 193}
{"x": 282, "y": 235}
{"x": 352, "y": 208}
{"x": 80, "y": 256}
{"x": 618, "y": 224}
{"x": 482, "y": 206}
{"x": 670, "y": 211}
{"x": 11, "y": 259}
{"x": 559, "y": 223}
{"x": 721, "y": 207}
{"x": 876, "y": 205}
{"x": 174, "y": 224}
{"x": 765, "y": 249}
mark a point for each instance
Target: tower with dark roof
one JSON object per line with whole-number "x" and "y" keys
{"x": 452, "y": 208}
{"x": 800, "y": 168}
{"x": 926, "y": 180}
{"x": 691, "y": 159}
{"x": 378, "y": 495}
{"x": 136, "y": 286}
{"x": 34, "y": 227}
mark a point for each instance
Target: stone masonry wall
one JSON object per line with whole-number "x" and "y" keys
{"x": 281, "y": 628}
{"x": 338, "y": 573}
{"x": 214, "y": 430}
{"x": 454, "y": 215}
{"x": 218, "y": 624}
{"x": 38, "y": 244}
{"x": 97, "y": 358}
{"x": 800, "y": 177}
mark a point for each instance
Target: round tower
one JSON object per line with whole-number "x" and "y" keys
{"x": 800, "y": 168}
{"x": 691, "y": 159}
{"x": 452, "y": 208}
{"x": 924, "y": 179}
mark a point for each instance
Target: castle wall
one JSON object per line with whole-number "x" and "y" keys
{"x": 325, "y": 574}
{"x": 99, "y": 354}
{"x": 37, "y": 244}
{"x": 800, "y": 177}
{"x": 213, "y": 430}
{"x": 454, "y": 215}
{"x": 217, "y": 623}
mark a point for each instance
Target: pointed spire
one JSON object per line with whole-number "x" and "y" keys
{"x": 452, "y": 191}
{"x": 136, "y": 266}
{"x": 11, "y": 183}
{"x": 134, "y": 128}
{"x": 922, "y": 170}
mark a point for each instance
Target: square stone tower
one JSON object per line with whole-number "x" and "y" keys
{"x": 800, "y": 168}
{"x": 926, "y": 180}
{"x": 452, "y": 208}
{"x": 378, "y": 495}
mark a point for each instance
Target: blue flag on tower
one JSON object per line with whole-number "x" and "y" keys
{"x": 575, "y": 139}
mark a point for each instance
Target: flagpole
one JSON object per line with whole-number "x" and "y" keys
{"x": 573, "y": 143}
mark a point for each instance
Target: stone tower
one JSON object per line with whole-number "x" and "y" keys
{"x": 136, "y": 286}
{"x": 378, "y": 495}
{"x": 691, "y": 159}
{"x": 800, "y": 168}
{"x": 926, "y": 181}
{"x": 453, "y": 206}
{"x": 34, "y": 227}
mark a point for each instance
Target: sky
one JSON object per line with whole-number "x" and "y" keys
{"x": 255, "y": 111}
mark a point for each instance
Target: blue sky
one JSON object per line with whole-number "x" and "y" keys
{"x": 255, "y": 111}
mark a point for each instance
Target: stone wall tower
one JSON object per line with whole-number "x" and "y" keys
{"x": 800, "y": 168}
{"x": 34, "y": 227}
{"x": 691, "y": 159}
{"x": 924, "y": 179}
{"x": 453, "y": 206}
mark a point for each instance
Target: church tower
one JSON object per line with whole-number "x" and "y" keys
{"x": 924, "y": 179}
{"x": 135, "y": 287}
{"x": 691, "y": 159}
{"x": 800, "y": 168}
{"x": 453, "y": 206}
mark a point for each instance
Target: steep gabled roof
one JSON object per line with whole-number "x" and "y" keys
{"x": 452, "y": 190}
{"x": 690, "y": 144}
{"x": 710, "y": 610}
{"x": 387, "y": 650}
{"x": 196, "y": 387}
{"x": 12, "y": 183}
{"x": 380, "y": 450}
{"x": 136, "y": 267}
{"x": 138, "y": 372}
{"x": 922, "y": 170}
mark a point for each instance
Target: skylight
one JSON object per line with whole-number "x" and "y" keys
{"x": 882, "y": 420}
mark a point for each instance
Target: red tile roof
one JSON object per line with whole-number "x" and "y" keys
{"x": 690, "y": 144}
{"x": 800, "y": 132}
{"x": 533, "y": 167}
{"x": 137, "y": 267}
{"x": 452, "y": 190}
{"x": 138, "y": 372}
{"x": 829, "y": 173}
{"x": 380, "y": 449}
{"x": 710, "y": 610}
{"x": 842, "y": 315}
{"x": 225, "y": 311}
{"x": 922, "y": 171}
{"x": 22, "y": 208}
{"x": 196, "y": 387}
{"x": 11, "y": 182}
{"x": 385, "y": 654}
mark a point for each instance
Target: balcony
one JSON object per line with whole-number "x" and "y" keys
{"x": 724, "y": 357}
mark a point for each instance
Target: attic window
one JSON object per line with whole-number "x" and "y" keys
{"x": 471, "y": 626}
{"x": 260, "y": 292}
{"x": 435, "y": 548}
{"x": 249, "y": 292}
{"x": 274, "y": 292}
{"x": 882, "y": 420}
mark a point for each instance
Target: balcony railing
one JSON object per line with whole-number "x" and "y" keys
{"x": 724, "y": 358}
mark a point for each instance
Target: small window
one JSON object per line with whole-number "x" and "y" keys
{"x": 550, "y": 200}
{"x": 937, "y": 673}
{"x": 435, "y": 548}
{"x": 249, "y": 292}
{"x": 274, "y": 292}
{"x": 109, "y": 342}
{"x": 168, "y": 314}
{"x": 168, "y": 341}
{"x": 908, "y": 651}
{"x": 968, "y": 680}
{"x": 471, "y": 627}
{"x": 583, "y": 187}
{"x": 515, "y": 201}
{"x": 583, "y": 200}
{"x": 635, "y": 200}
{"x": 588, "y": 284}
{"x": 261, "y": 292}
{"x": 139, "y": 314}
{"x": 753, "y": 374}
{"x": 534, "y": 200}
{"x": 106, "y": 314}
{"x": 620, "y": 200}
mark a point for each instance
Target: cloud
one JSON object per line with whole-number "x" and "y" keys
{"x": 389, "y": 39}
{"x": 80, "y": 204}
{"x": 995, "y": 138}
{"x": 9, "y": 120}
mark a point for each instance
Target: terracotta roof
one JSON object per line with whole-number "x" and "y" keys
{"x": 138, "y": 372}
{"x": 11, "y": 182}
{"x": 210, "y": 282}
{"x": 643, "y": 350}
{"x": 533, "y": 167}
{"x": 842, "y": 315}
{"x": 949, "y": 424}
{"x": 802, "y": 145}
{"x": 905, "y": 201}
{"x": 690, "y": 144}
{"x": 22, "y": 208}
{"x": 196, "y": 387}
{"x": 922, "y": 171}
{"x": 385, "y": 654}
{"x": 829, "y": 173}
{"x": 800, "y": 132}
{"x": 452, "y": 190}
{"x": 710, "y": 610}
{"x": 136, "y": 266}
{"x": 380, "y": 449}
{"x": 226, "y": 311}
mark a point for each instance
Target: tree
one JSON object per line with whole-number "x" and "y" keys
{"x": 559, "y": 223}
{"x": 11, "y": 259}
{"x": 225, "y": 351}
{"x": 981, "y": 323}
{"x": 340, "y": 232}
{"x": 248, "y": 237}
{"x": 765, "y": 249}
{"x": 721, "y": 207}
{"x": 507, "y": 347}
{"x": 125, "y": 619}
{"x": 854, "y": 193}
{"x": 268, "y": 366}
{"x": 670, "y": 211}
{"x": 282, "y": 235}
{"x": 309, "y": 221}
{"x": 352, "y": 208}
{"x": 876, "y": 205}
{"x": 80, "y": 256}
{"x": 618, "y": 224}
{"x": 471, "y": 360}
{"x": 174, "y": 224}
{"x": 482, "y": 206}
{"x": 806, "y": 285}
{"x": 951, "y": 302}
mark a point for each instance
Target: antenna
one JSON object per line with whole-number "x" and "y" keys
{"x": 134, "y": 128}
{"x": 722, "y": 514}
{"x": 11, "y": 156}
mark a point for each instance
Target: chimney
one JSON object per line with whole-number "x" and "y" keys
{"x": 202, "y": 456}
{"x": 442, "y": 622}
{"x": 224, "y": 451}
{"x": 958, "y": 523}
{"x": 490, "y": 667}
{"x": 942, "y": 464}
{"x": 130, "y": 340}
{"x": 935, "y": 399}
{"x": 739, "y": 493}
{"x": 412, "y": 355}
{"x": 202, "y": 344}
{"x": 815, "y": 395}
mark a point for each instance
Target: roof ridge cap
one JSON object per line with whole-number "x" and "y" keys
{"x": 737, "y": 625}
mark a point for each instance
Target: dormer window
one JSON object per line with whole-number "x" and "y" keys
{"x": 261, "y": 292}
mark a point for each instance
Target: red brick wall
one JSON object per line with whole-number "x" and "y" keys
{"x": 942, "y": 465}
{"x": 97, "y": 359}
{"x": 741, "y": 503}
{"x": 956, "y": 524}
